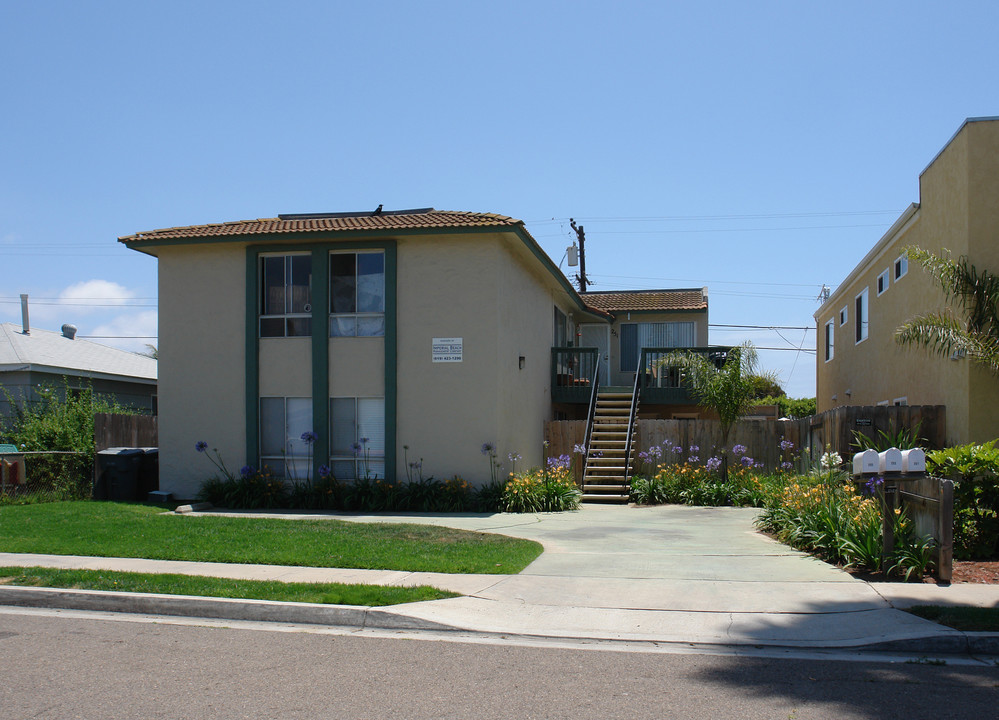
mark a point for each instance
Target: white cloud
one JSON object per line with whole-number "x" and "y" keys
{"x": 132, "y": 331}
{"x": 93, "y": 294}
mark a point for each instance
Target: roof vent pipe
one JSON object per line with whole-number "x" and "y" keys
{"x": 25, "y": 327}
{"x": 69, "y": 331}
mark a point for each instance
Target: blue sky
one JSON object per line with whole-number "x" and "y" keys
{"x": 759, "y": 149}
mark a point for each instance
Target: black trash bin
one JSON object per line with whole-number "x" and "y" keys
{"x": 116, "y": 474}
{"x": 149, "y": 472}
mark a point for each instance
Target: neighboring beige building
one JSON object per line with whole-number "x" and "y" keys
{"x": 858, "y": 361}
{"x": 419, "y": 334}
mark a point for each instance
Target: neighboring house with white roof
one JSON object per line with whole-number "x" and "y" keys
{"x": 31, "y": 358}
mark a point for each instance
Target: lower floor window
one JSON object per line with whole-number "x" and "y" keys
{"x": 357, "y": 438}
{"x": 283, "y": 422}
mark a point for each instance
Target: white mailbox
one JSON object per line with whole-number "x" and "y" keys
{"x": 913, "y": 461}
{"x": 865, "y": 462}
{"x": 890, "y": 460}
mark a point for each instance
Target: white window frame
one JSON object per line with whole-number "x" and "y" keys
{"x": 883, "y": 403}
{"x": 863, "y": 318}
{"x": 358, "y": 464}
{"x": 294, "y": 453}
{"x": 290, "y": 320}
{"x": 844, "y": 315}
{"x": 904, "y": 400}
{"x": 355, "y": 319}
{"x": 830, "y": 343}
{"x": 900, "y": 267}
{"x": 884, "y": 282}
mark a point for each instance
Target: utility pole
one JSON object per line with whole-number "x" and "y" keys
{"x": 581, "y": 277}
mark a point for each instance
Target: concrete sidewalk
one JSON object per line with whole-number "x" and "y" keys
{"x": 662, "y": 574}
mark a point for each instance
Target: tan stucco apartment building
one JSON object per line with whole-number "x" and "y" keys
{"x": 858, "y": 360}
{"x": 416, "y": 335}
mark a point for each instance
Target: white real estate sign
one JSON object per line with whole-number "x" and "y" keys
{"x": 446, "y": 349}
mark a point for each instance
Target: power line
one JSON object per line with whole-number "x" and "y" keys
{"x": 760, "y": 327}
{"x": 761, "y": 216}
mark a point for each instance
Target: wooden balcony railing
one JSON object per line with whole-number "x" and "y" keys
{"x": 663, "y": 384}
{"x": 573, "y": 371}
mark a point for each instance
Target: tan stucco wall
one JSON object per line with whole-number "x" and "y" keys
{"x": 357, "y": 367}
{"x": 958, "y": 211}
{"x": 285, "y": 367}
{"x": 478, "y": 289}
{"x": 201, "y": 370}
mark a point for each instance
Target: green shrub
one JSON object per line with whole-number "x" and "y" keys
{"x": 975, "y": 472}
{"x": 62, "y": 420}
{"x": 548, "y": 489}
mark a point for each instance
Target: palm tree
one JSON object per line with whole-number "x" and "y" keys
{"x": 976, "y": 293}
{"x": 729, "y": 390}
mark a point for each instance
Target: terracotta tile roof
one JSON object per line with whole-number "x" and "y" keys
{"x": 687, "y": 299}
{"x": 332, "y": 222}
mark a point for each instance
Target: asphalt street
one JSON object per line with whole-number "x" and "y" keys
{"x": 71, "y": 665}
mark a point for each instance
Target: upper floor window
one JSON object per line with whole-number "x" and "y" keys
{"x": 829, "y": 341}
{"x": 357, "y": 294}
{"x": 860, "y": 313}
{"x": 635, "y": 336}
{"x": 883, "y": 282}
{"x": 843, "y": 316}
{"x": 286, "y": 295}
{"x": 901, "y": 266}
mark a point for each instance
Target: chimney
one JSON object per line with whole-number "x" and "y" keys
{"x": 25, "y": 327}
{"x": 69, "y": 331}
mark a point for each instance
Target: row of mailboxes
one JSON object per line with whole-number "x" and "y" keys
{"x": 893, "y": 460}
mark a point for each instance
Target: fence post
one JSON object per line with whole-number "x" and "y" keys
{"x": 945, "y": 548}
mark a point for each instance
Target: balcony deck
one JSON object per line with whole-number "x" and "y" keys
{"x": 573, "y": 370}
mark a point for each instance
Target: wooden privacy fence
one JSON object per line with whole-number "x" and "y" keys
{"x": 929, "y": 501}
{"x": 134, "y": 431}
{"x": 762, "y": 438}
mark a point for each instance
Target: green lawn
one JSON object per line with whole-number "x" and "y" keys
{"x": 968, "y": 619}
{"x": 165, "y": 584}
{"x": 106, "y": 529}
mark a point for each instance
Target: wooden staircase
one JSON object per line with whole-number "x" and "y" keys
{"x": 606, "y": 478}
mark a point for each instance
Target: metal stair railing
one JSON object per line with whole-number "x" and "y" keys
{"x": 636, "y": 391}
{"x": 589, "y": 421}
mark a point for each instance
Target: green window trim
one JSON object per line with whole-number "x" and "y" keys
{"x": 321, "y": 250}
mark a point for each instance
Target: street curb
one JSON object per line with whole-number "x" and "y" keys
{"x": 215, "y": 608}
{"x": 361, "y": 617}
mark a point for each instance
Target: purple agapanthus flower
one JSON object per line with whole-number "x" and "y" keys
{"x": 559, "y": 463}
{"x": 324, "y": 470}
{"x": 739, "y": 450}
{"x": 655, "y": 451}
{"x": 356, "y": 447}
{"x": 747, "y": 461}
{"x": 643, "y": 456}
{"x": 786, "y": 445}
{"x": 693, "y": 459}
{"x": 364, "y": 441}
{"x": 201, "y": 446}
{"x": 678, "y": 449}
{"x": 309, "y": 437}
{"x": 694, "y": 448}
{"x": 713, "y": 463}
{"x": 514, "y": 457}
{"x": 246, "y": 471}
{"x": 786, "y": 465}
{"x": 487, "y": 448}
{"x": 579, "y": 449}
{"x": 873, "y": 484}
